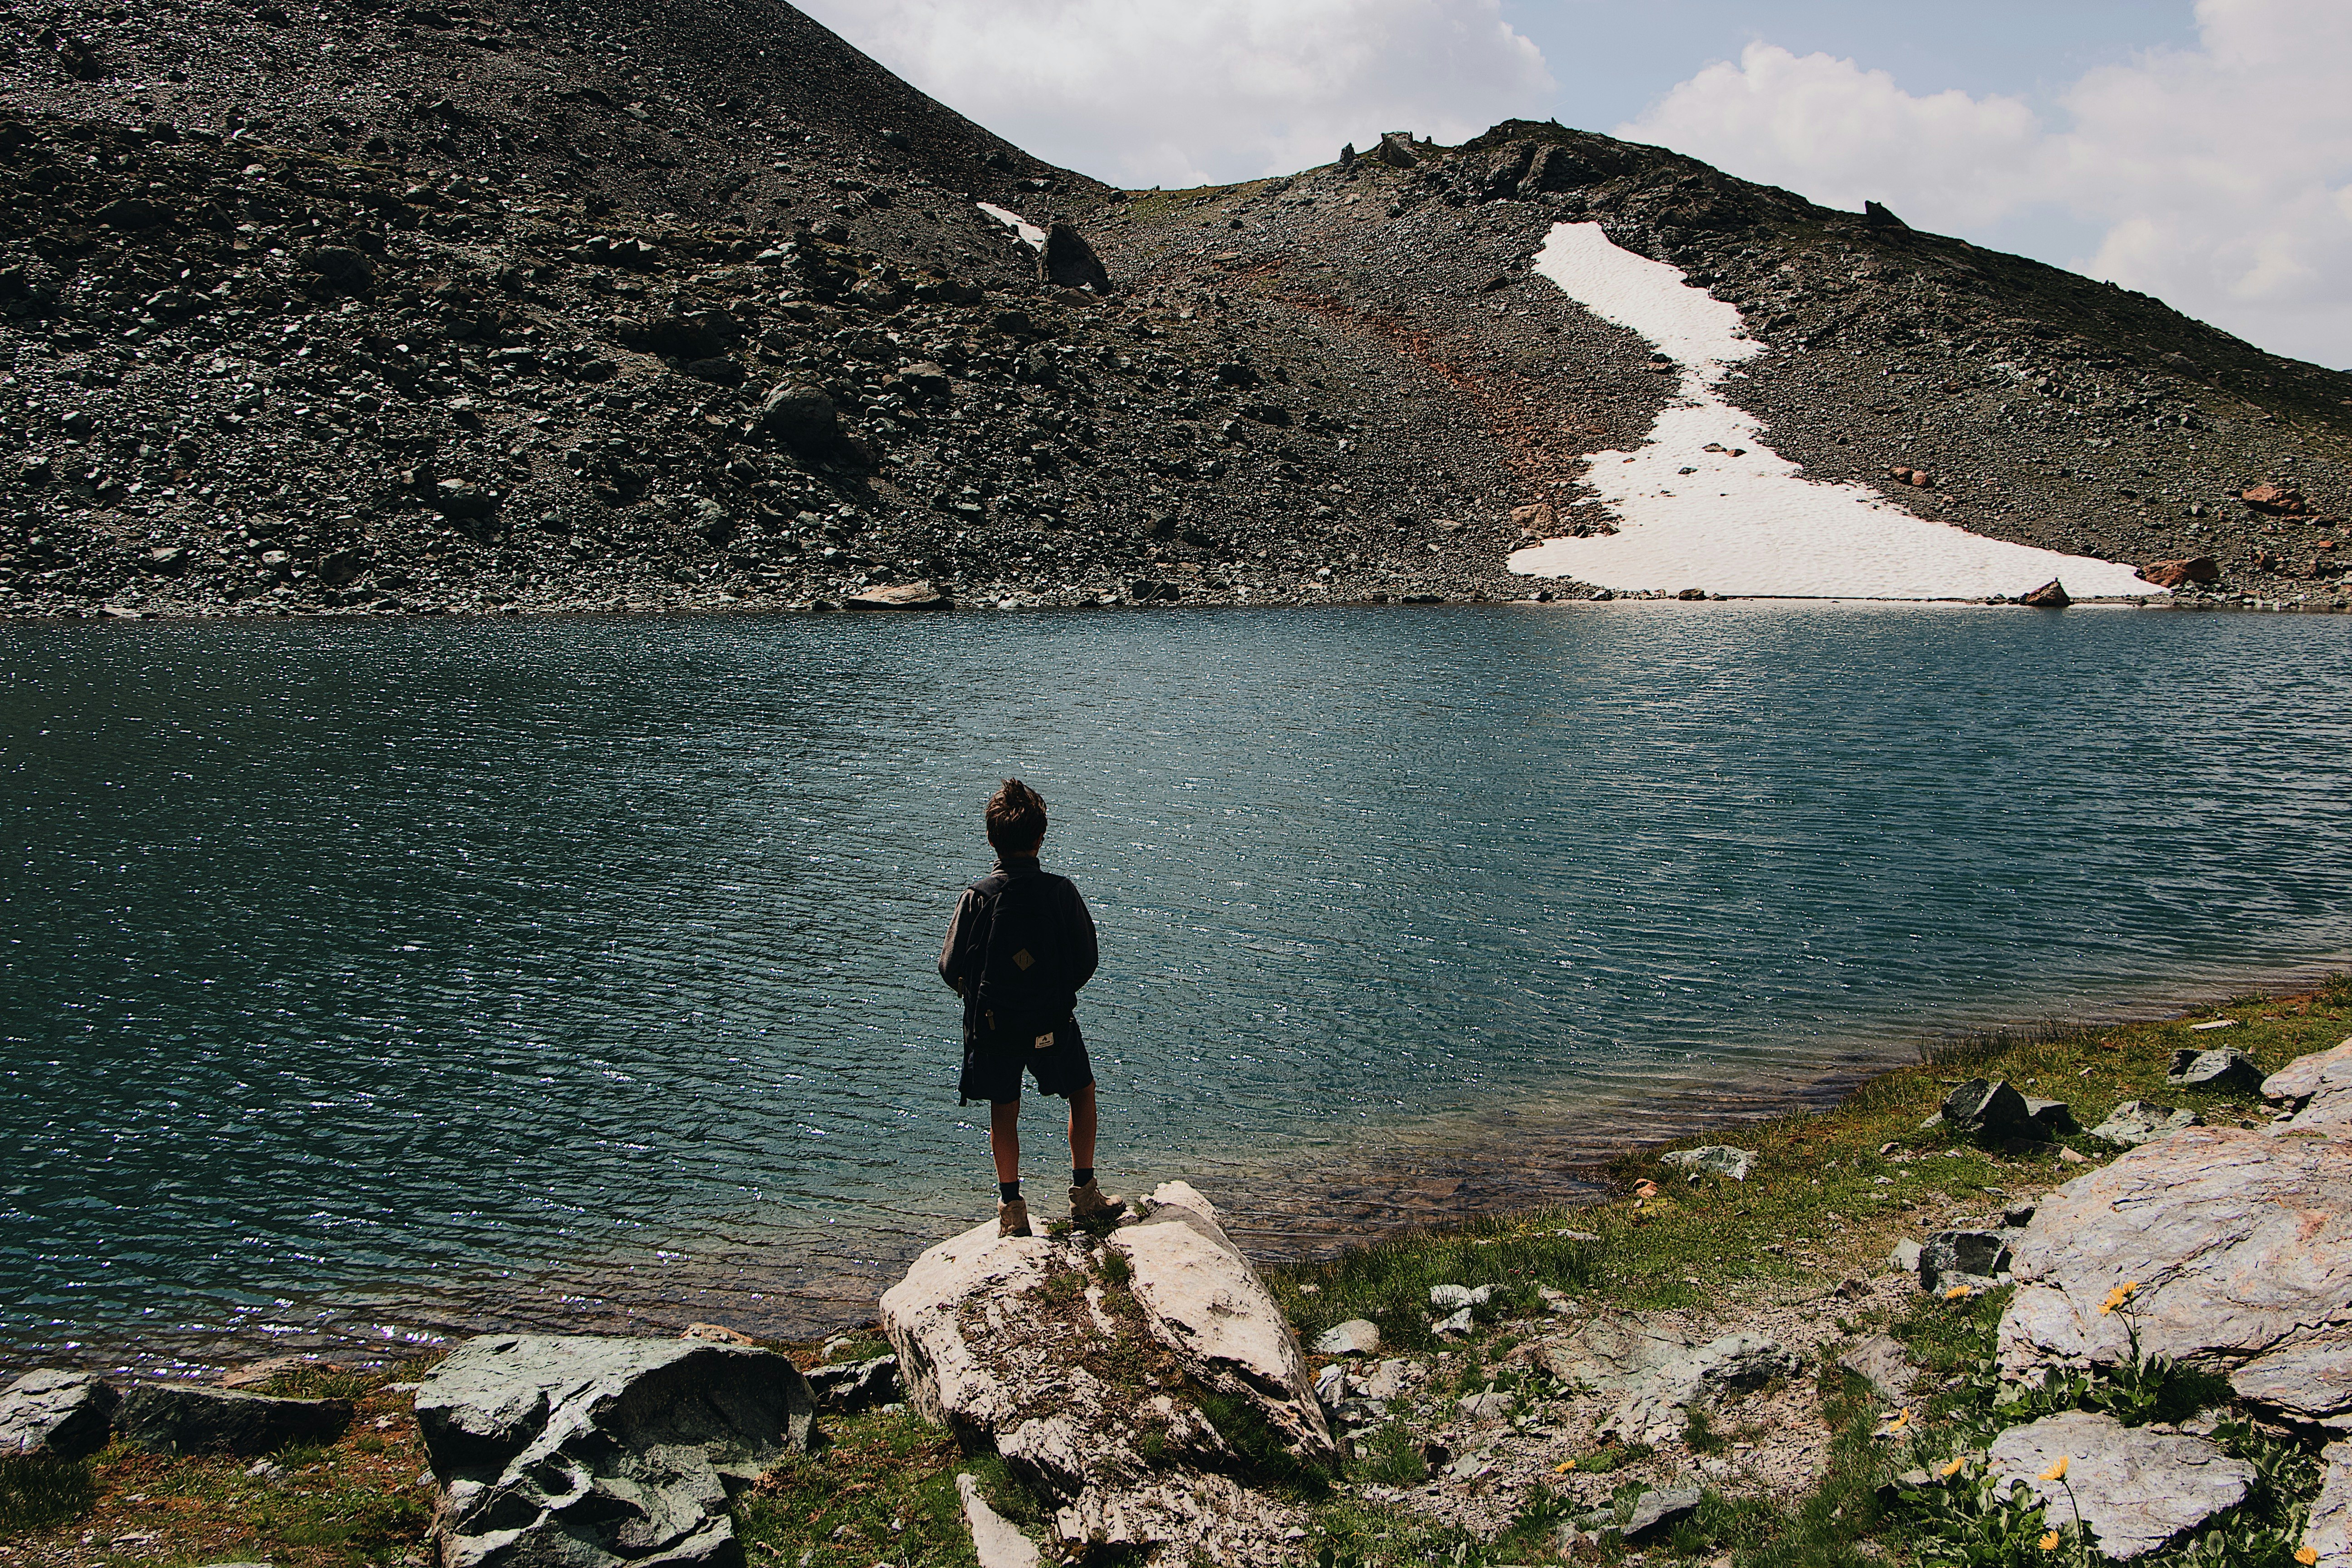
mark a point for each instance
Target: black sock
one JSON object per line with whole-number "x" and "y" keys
{"x": 1080, "y": 1175}
{"x": 1008, "y": 1191}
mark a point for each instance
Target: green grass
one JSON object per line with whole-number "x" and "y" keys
{"x": 37, "y": 1492}
{"x": 883, "y": 1488}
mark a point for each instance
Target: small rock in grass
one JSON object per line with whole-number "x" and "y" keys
{"x": 1452, "y": 1298}
{"x": 1357, "y": 1336}
{"x": 1459, "y": 1322}
{"x": 1656, "y": 1511}
{"x": 1331, "y": 1384}
{"x": 854, "y": 1386}
{"x": 1905, "y": 1256}
{"x": 1956, "y": 1258}
{"x": 1487, "y": 1405}
{"x": 2136, "y": 1122}
{"x": 1989, "y": 1107}
{"x": 1716, "y": 1159}
{"x": 2220, "y": 1069}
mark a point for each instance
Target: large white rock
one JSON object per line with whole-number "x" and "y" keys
{"x": 1026, "y": 1347}
{"x": 2136, "y": 1488}
{"x": 2328, "y": 1531}
{"x": 2241, "y": 1243}
{"x": 1203, "y": 1301}
{"x": 2320, "y": 1085}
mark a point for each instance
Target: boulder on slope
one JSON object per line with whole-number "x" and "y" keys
{"x": 2300, "y": 1079}
{"x": 2136, "y": 1122}
{"x": 578, "y": 1451}
{"x": 2240, "y": 1242}
{"x": 1039, "y": 1349}
{"x": 66, "y": 1415}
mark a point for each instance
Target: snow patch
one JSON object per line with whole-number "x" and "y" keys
{"x": 1031, "y": 235}
{"x": 1704, "y": 503}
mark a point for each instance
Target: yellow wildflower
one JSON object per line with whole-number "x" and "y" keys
{"x": 1952, "y": 1469}
{"x": 2057, "y": 1470}
{"x": 2049, "y": 1541}
{"x": 2117, "y": 1297}
{"x": 1899, "y": 1420}
{"x": 1956, "y": 1292}
{"x": 2306, "y": 1555}
{"x": 1563, "y": 1468}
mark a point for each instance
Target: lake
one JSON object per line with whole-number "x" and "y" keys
{"x": 365, "y": 981}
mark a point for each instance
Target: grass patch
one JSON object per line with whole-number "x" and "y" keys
{"x": 883, "y": 1488}
{"x": 36, "y": 1492}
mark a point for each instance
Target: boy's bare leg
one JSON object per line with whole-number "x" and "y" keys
{"x": 1004, "y": 1136}
{"x": 1082, "y": 1130}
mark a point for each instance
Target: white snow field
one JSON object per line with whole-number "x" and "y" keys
{"x": 1031, "y": 235}
{"x": 1703, "y": 503}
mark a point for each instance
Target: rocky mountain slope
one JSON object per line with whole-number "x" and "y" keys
{"x": 414, "y": 307}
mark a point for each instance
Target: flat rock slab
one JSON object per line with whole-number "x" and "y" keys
{"x": 1658, "y": 1405}
{"x": 2240, "y": 1244}
{"x": 1716, "y": 1159}
{"x": 580, "y": 1451}
{"x": 904, "y": 596}
{"x": 1357, "y": 1336}
{"x": 66, "y": 1415}
{"x": 1657, "y": 1512}
{"x": 2138, "y": 1490}
{"x": 177, "y": 1419}
{"x": 2328, "y": 1531}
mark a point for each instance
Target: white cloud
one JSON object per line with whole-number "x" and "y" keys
{"x": 2219, "y": 178}
{"x": 1186, "y": 92}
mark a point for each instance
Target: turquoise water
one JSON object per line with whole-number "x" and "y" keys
{"x": 367, "y": 980}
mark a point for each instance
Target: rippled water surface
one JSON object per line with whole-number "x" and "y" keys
{"x": 372, "y": 979}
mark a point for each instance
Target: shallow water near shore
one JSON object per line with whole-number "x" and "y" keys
{"x": 365, "y": 982}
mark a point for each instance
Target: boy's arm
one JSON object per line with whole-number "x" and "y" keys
{"x": 950, "y": 951}
{"x": 1083, "y": 953}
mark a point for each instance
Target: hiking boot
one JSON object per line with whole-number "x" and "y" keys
{"x": 1013, "y": 1218}
{"x": 1089, "y": 1203}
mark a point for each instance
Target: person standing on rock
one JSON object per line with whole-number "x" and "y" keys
{"x": 1018, "y": 949}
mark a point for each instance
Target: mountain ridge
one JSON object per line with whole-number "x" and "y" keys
{"x": 461, "y": 308}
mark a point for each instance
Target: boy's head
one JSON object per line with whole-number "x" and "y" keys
{"x": 1016, "y": 819}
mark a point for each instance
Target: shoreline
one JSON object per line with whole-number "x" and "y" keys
{"x": 1413, "y": 1183}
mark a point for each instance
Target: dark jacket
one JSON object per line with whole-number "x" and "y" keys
{"x": 959, "y": 962}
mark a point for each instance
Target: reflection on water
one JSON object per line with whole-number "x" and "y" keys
{"x": 420, "y": 974}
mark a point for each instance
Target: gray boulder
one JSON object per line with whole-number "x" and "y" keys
{"x": 1658, "y": 1405}
{"x": 64, "y": 1414}
{"x": 854, "y": 1386}
{"x": 2321, "y": 1071}
{"x": 1716, "y": 1159}
{"x": 1983, "y": 1108}
{"x": 1971, "y": 1258}
{"x": 2051, "y": 1116}
{"x": 2136, "y": 1122}
{"x": 2240, "y": 1245}
{"x": 574, "y": 1451}
{"x": 184, "y": 1418}
{"x": 801, "y": 416}
{"x": 2214, "y": 1070}
{"x": 2328, "y": 1531}
{"x": 1068, "y": 261}
{"x": 1454, "y": 1297}
{"x": 1658, "y": 1511}
{"x": 2138, "y": 1490}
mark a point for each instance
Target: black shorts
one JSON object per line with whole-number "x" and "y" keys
{"x": 994, "y": 1074}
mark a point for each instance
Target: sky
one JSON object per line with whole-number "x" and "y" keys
{"x": 2197, "y": 150}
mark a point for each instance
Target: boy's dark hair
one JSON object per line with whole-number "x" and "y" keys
{"x": 1016, "y": 818}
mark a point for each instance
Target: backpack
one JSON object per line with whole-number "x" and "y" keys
{"x": 1020, "y": 987}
